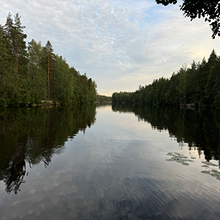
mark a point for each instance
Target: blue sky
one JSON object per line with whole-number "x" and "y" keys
{"x": 119, "y": 44}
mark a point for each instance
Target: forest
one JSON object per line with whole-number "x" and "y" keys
{"x": 32, "y": 74}
{"x": 194, "y": 86}
{"x": 103, "y": 99}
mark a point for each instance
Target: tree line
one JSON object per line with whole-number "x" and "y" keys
{"x": 103, "y": 99}
{"x": 30, "y": 74}
{"x": 198, "y": 85}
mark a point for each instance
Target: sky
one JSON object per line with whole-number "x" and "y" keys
{"x": 120, "y": 44}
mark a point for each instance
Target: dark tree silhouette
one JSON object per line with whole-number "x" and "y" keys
{"x": 208, "y": 9}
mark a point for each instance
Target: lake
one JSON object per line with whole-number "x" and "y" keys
{"x": 109, "y": 162}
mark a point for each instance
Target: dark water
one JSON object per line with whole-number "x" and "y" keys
{"x": 120, "y": 162}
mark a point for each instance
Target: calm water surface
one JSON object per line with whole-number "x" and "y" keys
{"x": 109, "y": 163}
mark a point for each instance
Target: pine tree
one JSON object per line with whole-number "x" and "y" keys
{"x": 21, "y": 60}
{"x": 36, "y": 73}
{"x": 3, "y": 68}
{"x": 49, "y": 60}
{"x": 210, "y": 91}
{"x": 17, "y": 80}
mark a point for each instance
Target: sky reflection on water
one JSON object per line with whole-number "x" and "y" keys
{"x": 116, "y": 169}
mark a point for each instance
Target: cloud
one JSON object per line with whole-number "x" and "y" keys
{"x": 119, "y": 44}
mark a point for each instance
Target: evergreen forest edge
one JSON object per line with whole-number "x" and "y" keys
{"x": 196, "y": 86}
{"x": 33, "y": 74}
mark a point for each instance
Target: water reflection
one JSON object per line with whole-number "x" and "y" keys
{"x": 200, "y": 129}
{"x": 29, "y": 136}
{"x": 118, "y": 169}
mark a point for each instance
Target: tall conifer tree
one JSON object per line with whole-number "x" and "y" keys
{"x": 49, "y": 60}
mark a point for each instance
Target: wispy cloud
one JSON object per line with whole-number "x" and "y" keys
{"x": 120, "y": 44}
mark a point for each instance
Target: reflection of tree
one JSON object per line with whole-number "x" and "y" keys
{"x": 35, "y": 135}
{"x": 14, "y": 174}
{"x": 200, "y": 129}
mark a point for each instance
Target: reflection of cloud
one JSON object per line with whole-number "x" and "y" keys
{"x": 150, "y": 40}
{"x": 181, "y": 158}
{"x": 213, "y": 173}
{"x": 107, "y": 175}
{"x": 109, "y": 181}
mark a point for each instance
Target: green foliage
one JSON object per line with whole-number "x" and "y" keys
{"x": 14, "y": 60}
{"x": 34, "y": 73}
{"x": 103, "y": 99}
{"x": 2, "y": 102}
{"x": 198, "y": 85}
